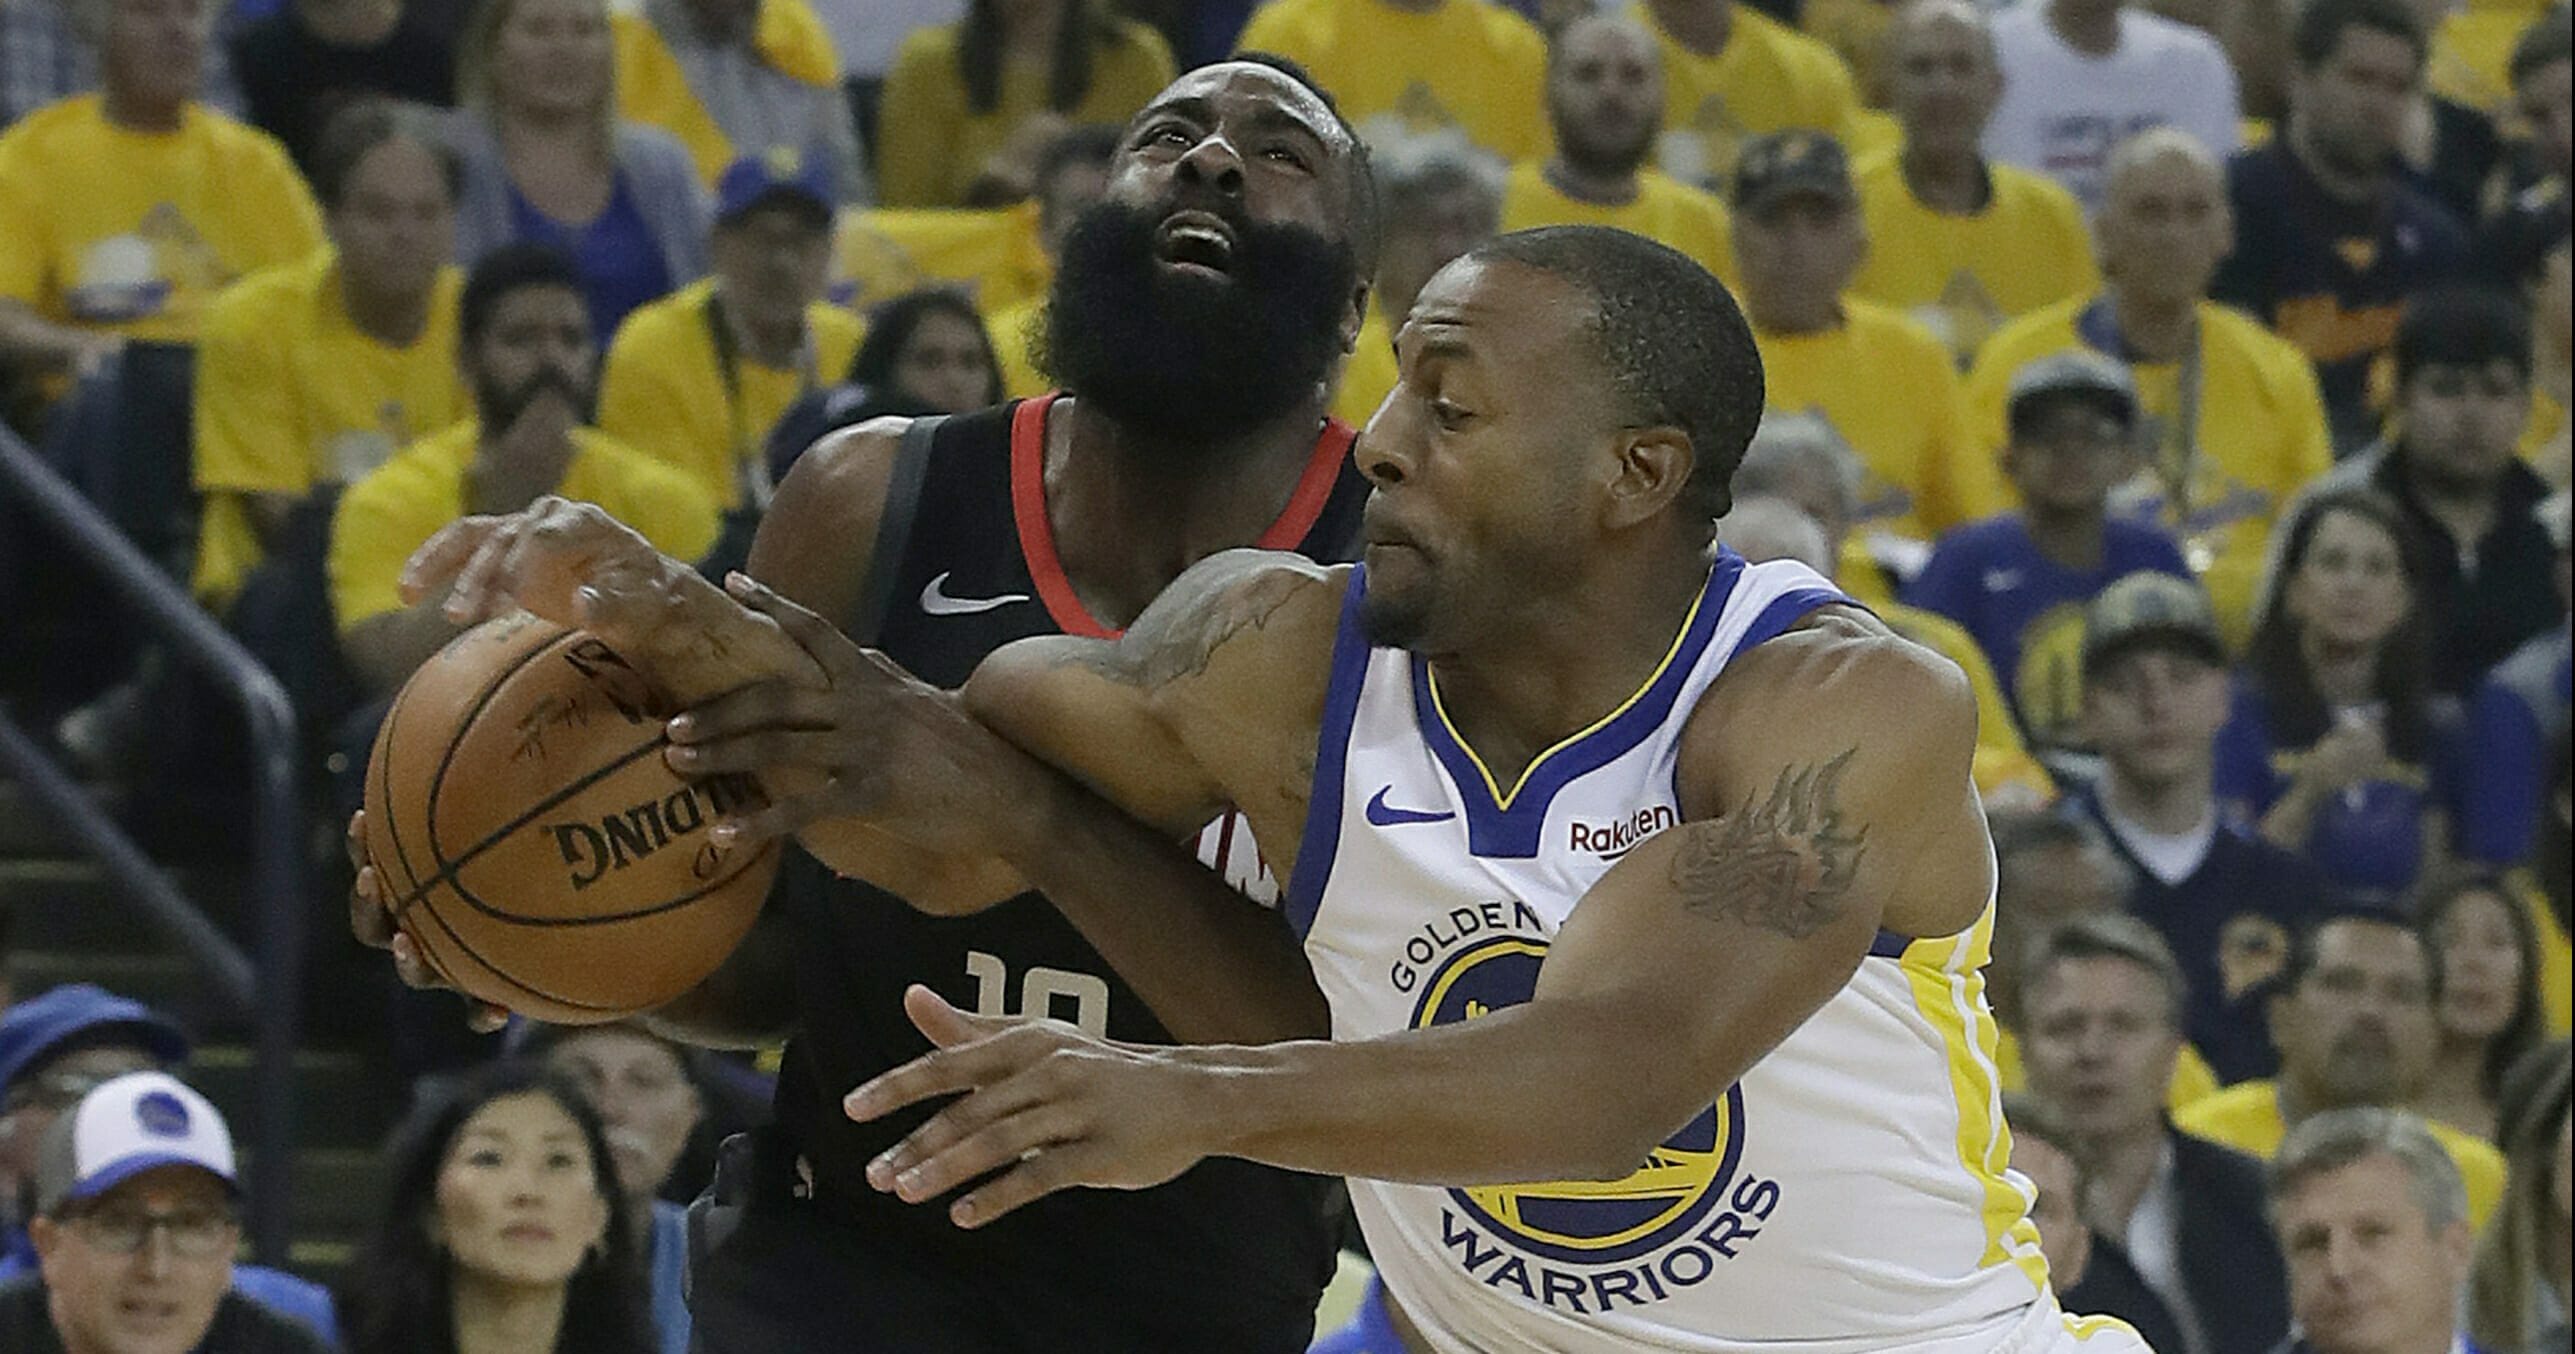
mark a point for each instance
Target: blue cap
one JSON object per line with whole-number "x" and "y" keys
{"x": 34, "y": 1028}
{"x": 780, "y": 172}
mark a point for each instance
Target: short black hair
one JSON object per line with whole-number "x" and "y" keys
{"x": 2322, "y": 23}
{"x": 353, "y": 132}
{"x": 508, "y": 269}
{"x": 2309, "y": 938}
{"x": 1677, "y": 348}
{"x": 1367, "y": 214}
{"x": 2549, "y": 40}
{"x": 2461, "y": 326}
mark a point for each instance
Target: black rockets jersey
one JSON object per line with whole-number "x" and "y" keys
{"x": 976, "y": 570}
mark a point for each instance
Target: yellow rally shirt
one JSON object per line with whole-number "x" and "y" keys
{"x": 2246, "y": 1117}
{"x": 387, "y": 515}
{"x": 2258, "y": 438}
{"x": 1370, "y": 373}
{"x": 930, "y": 143}
{"x": 1468, "y": 64}
{"x": 1962, "y": 277}
{"x": 1889, "y": 388}
{"x": 1664, "y": 210}
{"x": 653, "y": 89}
{"x": 663, "y": 390}
{"x": 290, "y": 394}
{"x": 993, "y": 256}
{"x": 134, "y": 232}
{"x": 1767, "y": 77}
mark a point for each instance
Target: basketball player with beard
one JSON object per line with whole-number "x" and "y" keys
{"x": 1196, "y": 314}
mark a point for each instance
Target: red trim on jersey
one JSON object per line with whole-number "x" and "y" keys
{"x": 1037, "y": 534}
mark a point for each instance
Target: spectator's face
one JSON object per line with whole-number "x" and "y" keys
{"x": 2547, "y": 102}
{"x": 2481, "y": 965}
{"x": 2164, "y": 227}
{"x": 1942, "y": 79}
{"x": 1605, "y": 95}
{"x": 1424, "y": 237}
{"x": 2155, "y": 712}
{"x": 774, "y": 261}
{"x": 2048, "y": 885}
{"x": 2462, "y": 424}
{"x": 2368, "y": 1274}
{"x": 45, "y": 1092}
{"x": 537, "y": 339}
{"x": 517, "y": 1202}
{"x": 119, "y": 1284}
{"x": 395, "y": 224}
{"x": 2554, "y": 315}
{"x": 644, "y": 1098}
{"x": 2097, "y": 1036}
{"x": 1801, "y": 251}
{"x": 552, "y": 57}
{"x": 2066, "y": 456}
{"x": 2349, "y": 589}
{"x": 2058, "y": 1214}
{"x": 154, "y": 49}
{"x": 1063, "y": 197}
{"x": 2354, "y": 103}
{"x": 1818, "y": 494}
{"x": 945, "y": 364}
{"x": 2358, "y": 1029}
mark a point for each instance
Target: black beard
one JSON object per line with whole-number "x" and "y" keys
{"x": 1600, "y": 156}
{"x": 499, "y": 406}
{"x": 1193, "y": 357}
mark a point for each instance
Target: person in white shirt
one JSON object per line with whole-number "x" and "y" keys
{"x": 2081, "y": 76}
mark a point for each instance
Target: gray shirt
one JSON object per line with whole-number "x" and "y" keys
{"x": 653, "y": 164}
{"x": 756, "y": 105}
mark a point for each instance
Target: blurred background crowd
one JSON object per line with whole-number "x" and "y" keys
{"x": 2193, "y": 373}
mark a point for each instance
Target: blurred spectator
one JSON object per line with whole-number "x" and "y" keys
{"x": 2518, "y": 712}
{"x": 134, "y": 1233}
{"x": 2101, "y": 1025}
{"x": 2489, "y": 1014}
{"x": 2552, "y": 379}
{"x": 123, "y": 212}
{"x": 2089, "y": 1272}
{"x": 1730, "y": 73}
{"x": 648, "y": 1101}
{"x": 2515, "y": 243}
{"x": 301, "y": 64}
{"x": 1401, "y": 68}
{"x": 732, "y": 78}
{"x": 2522, "y": 1283}
{"x": 2154, "y": 696}
{"x": 1605, "y": 104}
{"x": 2337, "y": 749}
{"x": 1886, "y": 385}
{"x": 2329, "y": 238}
{"x": 971, "y": 106}
{"x": 2234, "y": 425}
{"x": 547, "y": 159}
{"x": 2352, "y": 1018}
{"x": 2372, "y": 1222}
{"x": 2462, "y": 395}
{"x": 50, "y": 50}
{"x": 504, "y": 1227}
{"x": 2082, "y": 76}
{"x": 2019, "y": 582}
{"x": 1071, "y": 175}
{"x": 1959, "y": 242}
{"x": 2451, "y": 149}
{"x": 8, "y": 994}
{"x": 2050, "y": 869}
{"x": 525, "y": 346}
{"x": 1800, "y": 457}
{"x": 57, "y": 1047}
{"x": 867, "y": 34}
{"x": 1439, "y": 196}
{"x": 925, "y": 353}
{"x": 313, "y": 372}
{"x": 697, "y": 379}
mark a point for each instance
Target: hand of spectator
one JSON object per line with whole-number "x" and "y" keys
{"x": 2349, "y": 753}
{"x": 94, "y": 352}
{"x": 371, "y": 921}
{"x": 528, "y": 458}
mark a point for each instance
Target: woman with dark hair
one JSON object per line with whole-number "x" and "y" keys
{"x": 2337, "y": 748}
{"x": 2522, "y": 1284}
{"x": 2488, "y": 1013}
{"x": 926, "y": 352}
{"x": 504, "y": 1231}
{"x": 969, "y": 106}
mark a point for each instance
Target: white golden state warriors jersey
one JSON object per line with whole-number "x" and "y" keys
{"x": 1849, "y": 1194}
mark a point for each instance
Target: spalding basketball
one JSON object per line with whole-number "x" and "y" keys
{"x": 533, "y": 843}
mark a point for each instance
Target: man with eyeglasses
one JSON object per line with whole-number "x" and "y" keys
{"x": 135, "y": 1230}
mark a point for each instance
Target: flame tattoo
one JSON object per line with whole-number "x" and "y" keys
{"x": 1785, "y": 865}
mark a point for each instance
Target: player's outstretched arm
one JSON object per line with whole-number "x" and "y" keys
{"x": 1826, "y": 787}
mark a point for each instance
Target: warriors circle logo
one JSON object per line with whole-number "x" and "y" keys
{"x": 1584, "y": 1221}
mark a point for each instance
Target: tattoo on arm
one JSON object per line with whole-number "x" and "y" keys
{"x": 1785, "y": 865}
{"x": 1178, "y": 636}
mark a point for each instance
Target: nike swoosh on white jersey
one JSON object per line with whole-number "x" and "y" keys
{"x": 936, "y": 601}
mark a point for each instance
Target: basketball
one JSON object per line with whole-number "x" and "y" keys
{"x": 534, "y": 844}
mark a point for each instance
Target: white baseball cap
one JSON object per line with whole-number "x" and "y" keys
{"x": 127, "y": 1126}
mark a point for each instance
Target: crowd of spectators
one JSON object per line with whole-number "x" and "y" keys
{"x": 2192, "y": 373}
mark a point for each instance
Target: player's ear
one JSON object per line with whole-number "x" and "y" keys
{"x": 1355, "y": 316}
{"x": 1653, "y": 466}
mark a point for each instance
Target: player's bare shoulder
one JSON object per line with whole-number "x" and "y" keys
{"x": 826, "y": 515}
{"x": 1844, "y": 669}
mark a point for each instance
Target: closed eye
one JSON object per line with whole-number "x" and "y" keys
{"x": 1450, "y": 414}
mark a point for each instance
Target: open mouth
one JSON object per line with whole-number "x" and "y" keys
{"x": 1196, "y": 242}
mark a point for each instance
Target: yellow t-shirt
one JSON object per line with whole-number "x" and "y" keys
{"x": 2260, "y": 438}
{"x": 1014, "y": 344}
{"x": 1370, "y": 374}
{"x": 1888, "y": 387}
{"x": 1962, "y": 277}
{"x": 662, "y": 390}
{"x": 290, "y": 394}
{"x": 390, "y": 513}
{"x": 1767, "y": 77}
{"x": 1856, "y": 30}
{"x": 1665, "y": 210}
{"x": 930, "y": 144}
{"x": 2546, "y": 417}
{"x": 653, "y": 89}
{"x": 994, "y": 257}
{"x": 2192, "y": 1081}
{"x": 1468, "y": 64}
{"x": 2246, "y": 1117}
{"x": 134, "y": 233}
{"x": 2471, "y": 58}
{"x": 2001, "y": 758}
